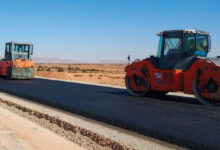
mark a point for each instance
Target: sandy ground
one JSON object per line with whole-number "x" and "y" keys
{"x": 18, "y": 133}
{"x": 110, "y": 74}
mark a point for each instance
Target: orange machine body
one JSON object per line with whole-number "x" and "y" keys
{"x": 17, "y": 63}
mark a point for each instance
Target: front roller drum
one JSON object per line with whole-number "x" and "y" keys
{"x": 20, "y": 73}
{"x": 138, "y": 93}
{"x": 201, "y": 99}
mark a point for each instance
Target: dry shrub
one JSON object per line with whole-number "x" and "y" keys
{"x": 83, "y": 70}
{"x": 48, "y": 69}
{"x": 76, "y": 75}
{"x": 40, "y": 68}
{"x": 60, "y": 69}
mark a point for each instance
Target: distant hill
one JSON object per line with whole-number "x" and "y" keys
{"x": 113, "y": 62}
{"x": 52, "y": 60}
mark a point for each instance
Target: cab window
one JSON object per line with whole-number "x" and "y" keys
{"x": 16, "y": 48}
{"x": 188, "y": 46}
{"x": 172, "y": 48}
{"x": 24, "y": 48}
{"x": 160, "y": 47}
{"x": 201, "y": 45}
{"x": 21, "y": 48}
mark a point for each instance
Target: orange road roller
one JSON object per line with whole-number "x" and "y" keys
{"x": 17, "y": 63}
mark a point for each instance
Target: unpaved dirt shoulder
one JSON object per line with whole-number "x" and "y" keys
{"x": 85, "y": 132}
{"x": 19, "y": 133}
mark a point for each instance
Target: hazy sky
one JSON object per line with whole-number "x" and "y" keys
{"x": 94, "y": 30}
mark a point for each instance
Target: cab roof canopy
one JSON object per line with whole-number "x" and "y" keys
{"x": 183, "y": 31}
{"x": 19, "y": 43}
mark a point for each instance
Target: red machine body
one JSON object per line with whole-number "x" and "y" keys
{"x": 191, "y": 74}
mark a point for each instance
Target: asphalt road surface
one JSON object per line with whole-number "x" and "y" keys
{"x": 175, "y": 119}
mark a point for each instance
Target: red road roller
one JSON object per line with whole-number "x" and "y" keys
{"x": 181, "y": 64}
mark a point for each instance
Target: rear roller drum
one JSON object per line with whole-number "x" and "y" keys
{"x": 138, "y": 93}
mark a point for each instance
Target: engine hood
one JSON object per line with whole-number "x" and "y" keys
{"x": 215, "y": 60}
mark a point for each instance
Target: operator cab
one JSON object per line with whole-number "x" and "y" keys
{"x": 16, "y": 50}
{"x": 177, "y": 48}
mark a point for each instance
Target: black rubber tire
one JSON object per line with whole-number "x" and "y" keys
{"x": 138, "y": 94}
{"x": 201, "y": 99}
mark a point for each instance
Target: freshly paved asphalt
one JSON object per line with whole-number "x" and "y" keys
{"x": 175, "y": 119}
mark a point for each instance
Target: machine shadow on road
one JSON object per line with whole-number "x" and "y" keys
{"x": 171, "y": 98}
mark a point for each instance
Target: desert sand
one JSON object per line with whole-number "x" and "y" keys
{"x": 110, "y": 74}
